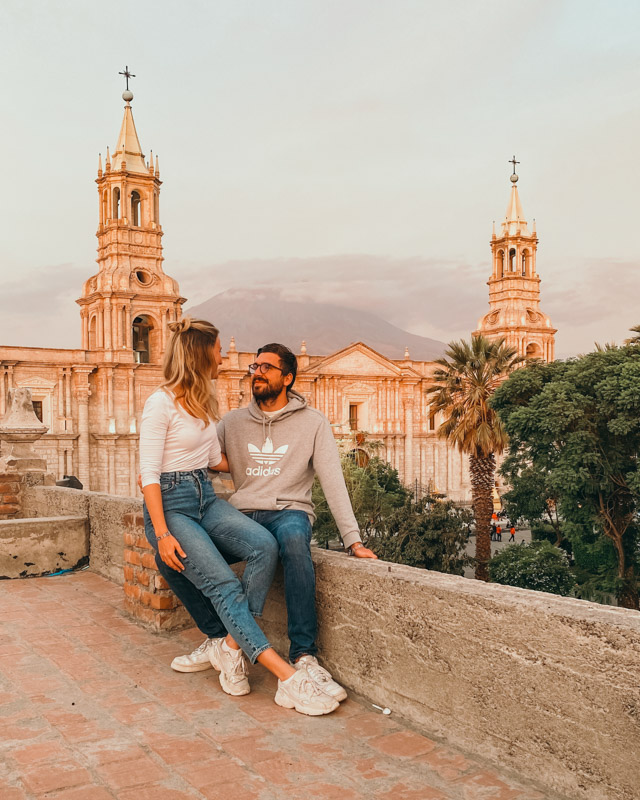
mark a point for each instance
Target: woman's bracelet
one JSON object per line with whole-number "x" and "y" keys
{"x": 164, "y": 536}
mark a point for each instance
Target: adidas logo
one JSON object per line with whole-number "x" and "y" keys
{"x": 267, "y": 455}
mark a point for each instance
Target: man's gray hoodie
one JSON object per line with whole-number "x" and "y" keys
{"x": 273, "y": 461}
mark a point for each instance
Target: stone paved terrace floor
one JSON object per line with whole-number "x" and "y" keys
{"x": 90, "y": 710}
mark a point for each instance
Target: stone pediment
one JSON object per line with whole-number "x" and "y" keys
{"x": 36, "y": 383}
{"x": 357, "y": 359}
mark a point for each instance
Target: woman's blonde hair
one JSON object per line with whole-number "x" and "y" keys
{"x": 187, "y": 367}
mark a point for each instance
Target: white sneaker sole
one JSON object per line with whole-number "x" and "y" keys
{"x": 283, "y": 699}
{"x": 191, "y": 667}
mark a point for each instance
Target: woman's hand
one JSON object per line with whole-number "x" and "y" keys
{"x": 360, "y": 551}
{"x": 170, "y": 552}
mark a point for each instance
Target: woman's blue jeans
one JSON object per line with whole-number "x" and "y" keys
{"x": 204, "y": 525}
{"x": 291, "y": 531}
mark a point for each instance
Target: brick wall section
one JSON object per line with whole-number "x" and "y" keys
{"x": 147, "y": 597}
{"x": 10, "y": 491}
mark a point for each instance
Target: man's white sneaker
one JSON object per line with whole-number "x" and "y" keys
{"x": 196, "y": 661}
{"x": 302, "y": 693}
{"x": 232, "y": 666}
{"x": 320, "y": 676}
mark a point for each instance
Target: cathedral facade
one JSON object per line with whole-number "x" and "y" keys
{"x": 91, "y": 398}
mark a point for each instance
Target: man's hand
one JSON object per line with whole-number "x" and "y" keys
{"x": 360, "y": 551}
{"x": 140, "y": 481}
{"x": 169, "y": 550}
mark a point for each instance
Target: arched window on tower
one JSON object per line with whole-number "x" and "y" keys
{"x": 116, "y": 202}
{"x": 93, "y": 332}
{"x": 533, "y": 350}
{"x": 136, "y": 209}
{"x": 156, "y": 209}
{"x": 512, "y": 260}
{"x": 526, "y": 263}
{"x": 105, "y": 211}
{"x": 500, "y": 263}
{"x": 141, "y": 339}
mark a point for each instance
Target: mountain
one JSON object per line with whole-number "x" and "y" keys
{"x": 257, "y": 316}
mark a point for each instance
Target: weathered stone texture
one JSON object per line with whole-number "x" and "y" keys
{"x": 30, "y": 547}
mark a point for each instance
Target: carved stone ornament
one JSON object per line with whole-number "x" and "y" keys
{"x": 19, "y": 429}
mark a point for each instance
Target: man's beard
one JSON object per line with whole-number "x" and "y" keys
{"x": 266, "y": 391}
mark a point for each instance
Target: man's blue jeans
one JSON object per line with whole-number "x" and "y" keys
{"x": 292, "y": 532}
{"x": 204, "y": 525}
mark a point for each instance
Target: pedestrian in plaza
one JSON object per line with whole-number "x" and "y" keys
{"x": 187, "y": 525}
{"x": 512, "y": 532}
{"x": 499, "y": 533}
{"x": 275, "y": 446}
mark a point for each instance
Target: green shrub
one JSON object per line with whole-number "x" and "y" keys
{"x": 538, "y": 565}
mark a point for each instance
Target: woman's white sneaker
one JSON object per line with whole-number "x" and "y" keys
{"x": 302, "y": 693}
{"x": 196, "y": 661}
{"x": 232, "y": 666}
{"x": 320, "y": 676}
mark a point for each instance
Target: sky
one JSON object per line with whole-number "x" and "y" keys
{"x": 353, "y": 151}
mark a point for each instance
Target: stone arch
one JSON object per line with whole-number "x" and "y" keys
{"x": 136, "y": 209}
{"x": 146, "y": 337}
{"x": 93, "y": 332}
{"x": 533, "y": 350}
{"x": 115, "y": 205}
{"x": 500, "y": 264}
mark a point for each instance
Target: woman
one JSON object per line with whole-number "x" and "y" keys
{"x": 186, "y": 523}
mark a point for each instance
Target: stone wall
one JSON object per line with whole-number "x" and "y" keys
{"x": 545, "y": 685}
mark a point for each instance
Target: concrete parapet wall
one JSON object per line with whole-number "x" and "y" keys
{"x": 30, "y": 547}
{"x": 546, "y": 685}
{"x": 105, "y": 513}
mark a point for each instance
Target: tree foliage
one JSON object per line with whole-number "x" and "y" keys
{"x": 426, "y": 533}
{"x": 538, "y": 565}
{"x": 429, "y": 533}
{"x": 577, "y": 424}
{"x": 465, "y": 379}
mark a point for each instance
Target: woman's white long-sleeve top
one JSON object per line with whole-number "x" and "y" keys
{"x": 171, "y": 440}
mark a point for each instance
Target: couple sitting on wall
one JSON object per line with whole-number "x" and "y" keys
{"x": 272, "y": 449}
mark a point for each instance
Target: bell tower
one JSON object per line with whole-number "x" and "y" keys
{"x": 126, "y": 305}
{"x": 514, "y": 286}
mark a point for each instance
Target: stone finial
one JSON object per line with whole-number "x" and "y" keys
{"x": 406, "y": 352}
{"x": 19, "y": 429}
{"x": 303, "y": 348}
{"x": 232, "y": 345}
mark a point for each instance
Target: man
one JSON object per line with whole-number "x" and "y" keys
{"x": 275, "y": 446}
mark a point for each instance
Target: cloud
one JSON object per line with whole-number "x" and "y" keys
{"x": 42, "y": 311}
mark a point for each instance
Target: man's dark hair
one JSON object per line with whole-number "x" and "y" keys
{"x": 288, "y": 360}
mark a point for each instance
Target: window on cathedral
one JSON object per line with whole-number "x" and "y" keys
{"x": 526, "y": 261}
{"x": 432, "y": 421}
{"x": 143, "y": 277}
{"x": 135, "y": 209}
{"x": 512, "y": 260}
{"x": 501, "y": 263}
{"x": 353, "y": 416}
{"x": 116, "y": 203}
{"x": 93, "y": 333}
{"x": 156, "y": 209}
{"x": 141, "y": 350}
{"x": 37, "y": 408}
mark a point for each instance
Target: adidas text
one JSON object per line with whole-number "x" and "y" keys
{"x": 262, "y": 471}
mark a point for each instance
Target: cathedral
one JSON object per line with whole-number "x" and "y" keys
{"x": 91, "y": 398}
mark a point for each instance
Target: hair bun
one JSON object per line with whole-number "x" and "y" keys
{"x": 181, "y": 326}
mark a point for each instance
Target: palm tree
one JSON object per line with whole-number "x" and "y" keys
{"x": 465, "y": 380}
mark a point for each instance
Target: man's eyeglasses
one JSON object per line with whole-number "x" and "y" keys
{"x": 263, "y": 368}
